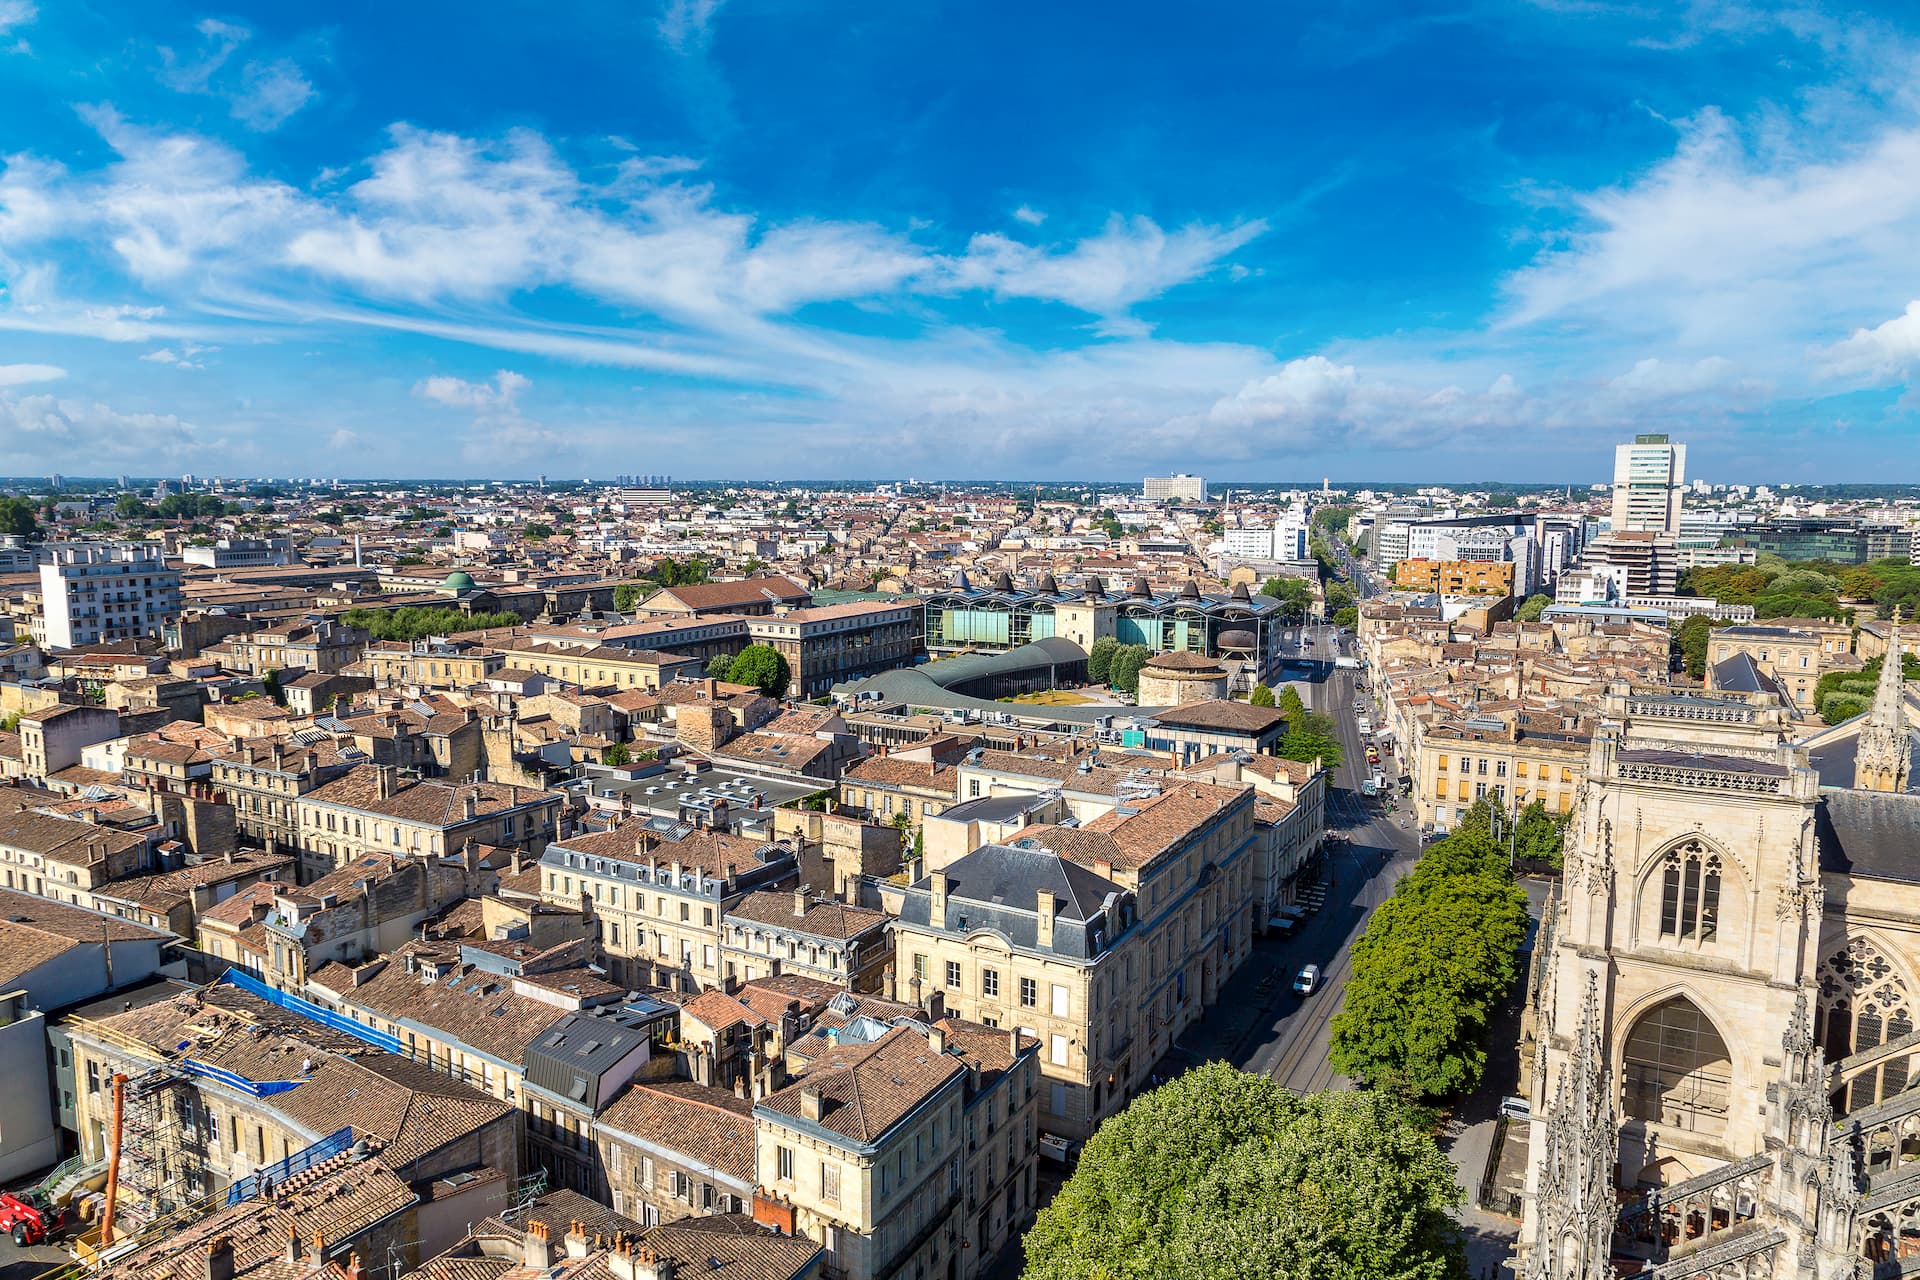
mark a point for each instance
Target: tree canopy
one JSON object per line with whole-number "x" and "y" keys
{"x": 1225, "y": 1175}
{"x": 17, "y": 518}
{"x": 1310, "y": 736}
{"x": 1261, "y": 696}
{"x": 1100, "y": 659}
{"x": 1532, "y": 607}
{"x": 1123, "y": 672}
{"x": 762, "y": 666}
{"x": 1841, "y": 695}
{"x": 415, "y": 623}
{"x": 1435, "y": 961}
{"x": 1774, "y": 587}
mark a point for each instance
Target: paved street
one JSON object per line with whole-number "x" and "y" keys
{"x": 1261, "y": 1025}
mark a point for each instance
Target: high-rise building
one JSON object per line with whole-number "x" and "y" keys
{"x": 1649, "y": 478}
{"x": 95, "y": 591}
{"x": 1176, "y": 488}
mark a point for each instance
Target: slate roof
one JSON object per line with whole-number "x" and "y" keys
{"x": 998, "y": 887}
{"x": 1869, "y": 833}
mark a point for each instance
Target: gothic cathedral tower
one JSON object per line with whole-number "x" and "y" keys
{"x": 1885, "y": 754}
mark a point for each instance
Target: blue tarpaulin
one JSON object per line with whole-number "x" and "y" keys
{"x": 280, "y": 1170}
{"x": 311, "y": 1011}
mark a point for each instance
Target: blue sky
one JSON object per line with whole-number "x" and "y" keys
{"x": 792, "y": 238}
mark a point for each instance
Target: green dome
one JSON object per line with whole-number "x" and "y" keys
{"x": 459, "y": 580}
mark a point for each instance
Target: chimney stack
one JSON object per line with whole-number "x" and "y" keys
{"x": 937, "y": 907}
{"x": 353, "y": 1270}
{"x": 384, "y": 778}
{"x": 293, "y": 1246}
{"x": 1048, "y": 905}
{"x": 799, "y": 902}
{"x": 576, "y": 1239}
{"x": 813, "y": 1105}
{"x": 536, "y": 1248}
{"x": 218, "y": 1263}
{"x": 936, "y": 1039}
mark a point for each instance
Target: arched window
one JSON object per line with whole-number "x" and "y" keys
{"x": 1676, "y": 1069}
{"x": 1690, "y": 893}
{"x": 1863, "y": 1003}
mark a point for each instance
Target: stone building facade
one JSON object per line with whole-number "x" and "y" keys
{"x": 1723, "y": 1040}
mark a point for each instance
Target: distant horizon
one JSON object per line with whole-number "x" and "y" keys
{"x": 1215, "y": 488}
{"x": 679, "y": 235}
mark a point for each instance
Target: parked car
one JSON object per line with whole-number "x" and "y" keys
{"x": 1308, "y": 982}
{"x": 1515, "y": 1108}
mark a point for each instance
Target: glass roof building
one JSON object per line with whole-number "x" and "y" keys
{"x": 1003, "y": 616}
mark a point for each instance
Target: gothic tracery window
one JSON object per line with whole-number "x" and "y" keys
{"x": 1690, "y": 893}
{"x": 1863, "y": 1003}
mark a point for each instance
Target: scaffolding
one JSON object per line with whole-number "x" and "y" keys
{"x": 163, "y": 1156}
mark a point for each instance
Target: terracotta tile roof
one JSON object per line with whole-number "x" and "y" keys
{"x": 718, "y": 1010}
{"x": 868, "y": 1088}
{"x": 479, "y": 1009}
{"x": 741, "y": 1248}
{"x": 413, "y": 1109}
{"x": 339, "y": 1199}
{"x": 892, "y": 771}
{"x": 710, "y": 1127}
{"x": 821, "y": 919}
{"x": 430, "y": 801}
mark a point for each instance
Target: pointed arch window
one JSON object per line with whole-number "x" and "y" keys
{"x": 1690, "y": 894}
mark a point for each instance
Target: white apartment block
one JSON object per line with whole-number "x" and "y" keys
{"x": 1285, "y": 540}
{"x": 98, "y": 591}
{"x": 1649, "y": 478}
{"x": 1178, "y": 488}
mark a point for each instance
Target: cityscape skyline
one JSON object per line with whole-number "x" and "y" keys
{"x": 1430, "y": 245}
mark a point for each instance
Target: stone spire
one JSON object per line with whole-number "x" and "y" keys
{"x": 1577, "y": 1207}
{"x": 1884, "y": 756}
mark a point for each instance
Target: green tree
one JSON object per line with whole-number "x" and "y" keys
{"x": 720, "y": 666}
{"x": 415, "y": 623}
{"x": 1348, "y": 617}
{"x": 616, "y": 755}
{"x": 1542, "y": 835}
{"x": 129, "y": 507}
{"x": 1692, "y": 638}
{"x": 762, "y": 666}
{"x": 1225, "y": 1175}
{"x": 1532, "y": 607}
{"x": 1435, "y": 961}
{"x": 628, "y": 594}
{"x": 1261, "y": 696}
{"x": 17, "y": 518}
{"x": 1100, "y": 659}
{"x": 1290, "y": 702}
{"x": 1295, "y": 593}
{"x": 1310, "y": 736}
{"x": 537, "y": 532}
{"x": 1124, "y": 673}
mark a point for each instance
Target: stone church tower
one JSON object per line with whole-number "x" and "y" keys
{"x": 1885, "y": 754}
{"x": 1716, "y": 1019}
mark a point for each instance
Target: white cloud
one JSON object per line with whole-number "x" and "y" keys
{"x": 181, "y": 359}
{"x": 16, "y": 13}
{"x": 1028, "y": 214}
{"x": 262, "y": 95}
{"x": 1734, "y": 240}
{"x": 688, "y": 24}
{"x": 1129, "y": 261}
{"x": 35, "y": 427}
{"x": 1885, "y": 353}
{"x": 16, "y": 375}
{"x": 270, "y": 93}
{"x": 499, "y": 395}
{"x": 1653, "y": 379}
